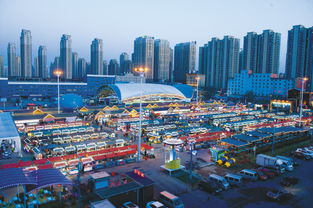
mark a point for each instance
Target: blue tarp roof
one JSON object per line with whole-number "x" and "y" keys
{"x": 246, "y": 138}
{"x": 48, "y": 177}
{"x": 257, "y": 134}
{"x": 7, "y": 126}
{"x": 14, "y": 177}
{"x": 284, "y": 129}
{"x": 234, "y": 142}
{"x": 40, "y": 178}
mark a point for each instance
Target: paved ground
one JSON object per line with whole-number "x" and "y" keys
{"x": 250, "y": 195}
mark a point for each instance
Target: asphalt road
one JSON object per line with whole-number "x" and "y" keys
{"x": 251, "y": 194}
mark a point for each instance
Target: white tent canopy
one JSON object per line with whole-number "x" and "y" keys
{"x": 9, "y": 131}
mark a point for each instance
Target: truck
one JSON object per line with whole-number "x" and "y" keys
{"x": 270, "y": 162}
{"x": 287, "y": 162}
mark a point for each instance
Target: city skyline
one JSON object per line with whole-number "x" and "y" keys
{"x": 117, "y": 41}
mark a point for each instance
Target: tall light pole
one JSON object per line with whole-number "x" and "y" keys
{"x": 198, "y": 78}
{"x": 58, "y": 73}
{"x": 303, "y": 80}
{"x": 141, "y": 71}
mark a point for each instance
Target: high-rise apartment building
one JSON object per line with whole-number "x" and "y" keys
{"x": 12, "y": 68}
{"x": 96, "y": 50}
{"x": 143, "y": 55}
{"x": 2, "y": 72}
{"x": 66, "y": 56}
{"x": 184, "y": 60}
{"x": 162, "y": 60}
{"x": 35, "y": 70}
{"x": 42, "y": 62}
{"x": 75, "y": 66}
{"x": 105, "y": 68}
{"x": 261, "y": 52}
{"x": 299, "y": 59}
{"x": 250, "y": 51}
{"x": 82, "y": 67}
{"x": 241, "y": 60}
{"x": 113, "y": 67}
{"x": 26, "y": 53}
{"x": 125, "y": 64}
{"x": 18, "y": 64}
{"x": 54, "y": 65}
{"x": 219, "y": 61}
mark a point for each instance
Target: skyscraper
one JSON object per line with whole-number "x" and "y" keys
{"x": 171, "y": 65}
{"x": 12, "y": 68}
{"x": 184, "y": 60}
{"x": 18, "y": 64}
{"x": 269, "y": 52}
{"x": 105, "y": 68}
{"x": 241, "y": 60}
{"x": 299, "y": 56}
{"x": 75, "y": 66}
{"x": 143, "y": 55}
{"x": 55, "y": 65}
{"x": 35, "y": 71}
{"x": 96, "y": 50}
{"x": 162, "y": 60}
{"x": 2, "y": 72}
{"x": 261, "y": 52}
{"x": 125, "y": 64}
{"x": 113, "y": 67}
{"x": 26, "y": 53}
{"x": 219, "y": 61}
{"x": 250, "y": 51}
{"x": 42, "y": 62}
{"x": 82, "y": 68}
{"x": 66, "y": 56}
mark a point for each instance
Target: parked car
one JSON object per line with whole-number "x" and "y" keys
{"x": 155, "y": 204}
{"x": 301, "y": 155}
{"x": 249, "y": 174}
{"x": 130, "y": 205}
{"x": 220, "y": 180}
{"x": 278, "y": 195}
{"x": 277, "y": 170}
{"x": 305, "y": 152}
{"x": 171, "y": 200}
{"x": 262, "y": 175}
{"x": 234, "y": 180}
{"x": 209, "y": 187}
{"x": 289, "y": 181}
{"x": 269, "y": 173}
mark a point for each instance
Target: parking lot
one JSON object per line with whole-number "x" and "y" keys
{"x": 253, "y": 194}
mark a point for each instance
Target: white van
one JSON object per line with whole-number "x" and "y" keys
{"x": 234, "y": 180}
{"x": 219, "y": 180}
{"x": 170, "y": 200}
{"x": 249, "y": 174}
{"x": 120, "y": 143}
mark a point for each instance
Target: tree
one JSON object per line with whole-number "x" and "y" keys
{"x": 249, "y": 96}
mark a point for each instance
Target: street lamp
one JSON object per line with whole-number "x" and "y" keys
{"x": 58, "y": 73}
{"x": 191, "y": 148}
{"x": 303, "y": 80}
{"x": 197, "y": 78}
{"x": 141, "y": 71}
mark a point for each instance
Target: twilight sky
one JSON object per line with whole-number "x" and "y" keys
{"x": 119, "y": 22}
